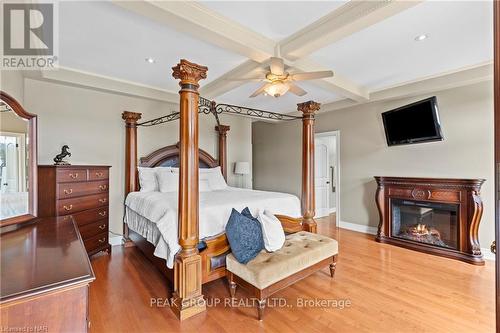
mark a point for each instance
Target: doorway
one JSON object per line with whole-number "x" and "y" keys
{"x": 12, "y": 162}
{"x": 327, "y": 174}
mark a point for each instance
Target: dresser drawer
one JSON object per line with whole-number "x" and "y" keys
{"x": 98, "y": 174}
{"x": 71, "y": 175}
{"x": 70, "y": 190}
{"x": 69, "y": 206}
{"x": 89, "y": 216}
{"x": 90, "y": 230}
{"x": 96, "y": 242}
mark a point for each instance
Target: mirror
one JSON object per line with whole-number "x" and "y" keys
{"x": 18, "y": 162}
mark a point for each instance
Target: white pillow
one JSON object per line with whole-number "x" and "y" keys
{"x": 148, "y": 180}
{"x": 167, "y": 181}
{"x": 204, "y": 185}
{"x": 214, "y": 175}
{"x": 215, "y": 178}
{"x": 272, "y": 231}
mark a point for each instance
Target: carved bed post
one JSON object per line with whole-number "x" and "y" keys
{"x": 131, "y": 119}
{"x": 308, "y": 109}
{"x": 187, "y": 297}
{"x": 222, "y": 130}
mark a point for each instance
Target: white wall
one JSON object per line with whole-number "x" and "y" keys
{"x": 467, "y": 152}
{"x": 90, "y": 123}
{"x": 12, "y": 83}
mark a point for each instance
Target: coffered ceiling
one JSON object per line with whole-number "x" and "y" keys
{"x": 274, "y": 19}
{"x": 101, "y": 38}
{"x": 370, "y": 46}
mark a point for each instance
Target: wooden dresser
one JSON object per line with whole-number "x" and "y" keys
{"x": 81, "y": 192}
{"x": 45, "y": 274}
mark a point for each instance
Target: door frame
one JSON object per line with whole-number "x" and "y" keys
{"x": 496, "y": 60}
{"x": 337, "y": 170}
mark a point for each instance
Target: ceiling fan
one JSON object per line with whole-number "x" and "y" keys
{"x": 278, "y": 81}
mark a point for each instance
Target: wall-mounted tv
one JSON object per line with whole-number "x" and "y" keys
{"x": 414, "y": 123}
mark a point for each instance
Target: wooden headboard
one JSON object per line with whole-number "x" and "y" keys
{"x": 169, "y": 157}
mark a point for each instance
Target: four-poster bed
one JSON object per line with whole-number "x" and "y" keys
{"x": 197, "y": 263}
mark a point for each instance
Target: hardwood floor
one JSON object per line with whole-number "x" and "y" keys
{"x": 390, "y": 289}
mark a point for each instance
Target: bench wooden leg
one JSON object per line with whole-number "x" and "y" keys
{"x": 260, "y": 308}
{"x": 333, "y": 266}
{"x": 232, "y": 284}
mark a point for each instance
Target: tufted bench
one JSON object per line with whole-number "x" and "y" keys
{"x": 303, "y": 254}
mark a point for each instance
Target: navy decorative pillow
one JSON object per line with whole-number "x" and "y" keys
{"x": 244, "y": 236}
{"x": 246, "y": 213}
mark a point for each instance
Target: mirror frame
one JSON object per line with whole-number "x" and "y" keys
{"x": 33, "y": 161}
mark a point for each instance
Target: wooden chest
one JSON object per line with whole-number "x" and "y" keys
{"x": 81, "y": 192}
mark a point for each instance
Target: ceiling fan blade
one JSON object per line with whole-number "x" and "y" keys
{"x": 277, "y": 66}
{"x": 254, "y": 79}
{"x": 311, "y": 75}
{"x": 260, "y": 90}
{"x": 295, "y": 89}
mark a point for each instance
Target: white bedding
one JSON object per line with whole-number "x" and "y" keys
{"x": 154, "y": 214}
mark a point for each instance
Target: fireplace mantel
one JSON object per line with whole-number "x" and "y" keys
{"x": 460, "y": 196}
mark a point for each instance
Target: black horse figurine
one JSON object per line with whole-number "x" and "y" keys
{"x": 59, "y": 158}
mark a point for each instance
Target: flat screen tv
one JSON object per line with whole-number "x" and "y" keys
{"x": 414, "y": 123}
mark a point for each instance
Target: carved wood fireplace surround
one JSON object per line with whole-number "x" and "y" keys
{"x": 433, "y": 215}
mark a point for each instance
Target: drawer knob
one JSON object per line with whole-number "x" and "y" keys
{"x": 102, "y": 227}
{"x": 68, "y": 191}
{"x": 68, "y": 208}
{"x": 103, "y": 200}
{"x": 99, "y": 174}
{"x": 103, "y": 187}
{"x": 103, "y": 213}
{"x": 73, "y": 175}
{"x": 102, "y": 240}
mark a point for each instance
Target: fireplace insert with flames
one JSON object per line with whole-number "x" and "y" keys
{"x": 425, "y": 222}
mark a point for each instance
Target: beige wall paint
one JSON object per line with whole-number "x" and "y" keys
{"x": 90, "y": 123}
{"x": 467, "y": 152}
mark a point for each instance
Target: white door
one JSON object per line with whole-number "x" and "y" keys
{"x": 322, "y": 179}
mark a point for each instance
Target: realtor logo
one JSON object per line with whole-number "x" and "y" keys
{"x": 28, "y": 36}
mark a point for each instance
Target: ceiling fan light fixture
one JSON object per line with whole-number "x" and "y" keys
{"x": 277, "y": 89}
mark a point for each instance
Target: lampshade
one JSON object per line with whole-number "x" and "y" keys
{"x": 242, "y": 168}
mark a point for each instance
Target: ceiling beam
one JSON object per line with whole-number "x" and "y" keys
{"x": 443, "y": 81}
{"x": 338, "y": 84}
{"x": 342, "y": 22}
{"x": 224, "y": 83}
{"x": 77, "y": 78}
{"x": 205, "y": 24}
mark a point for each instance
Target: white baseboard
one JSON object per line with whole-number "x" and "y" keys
{"x": 487, "y": 255}
{"x": 358, "y": 227}
{"x": 115, "y": 240}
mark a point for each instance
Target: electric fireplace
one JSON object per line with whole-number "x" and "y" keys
{"x": 438, "y": 216}
{"x": 425, "y": 222}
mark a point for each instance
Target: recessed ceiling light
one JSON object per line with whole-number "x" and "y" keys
{"x": 420, "y": 38}
{"x": 150, "y": 60}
